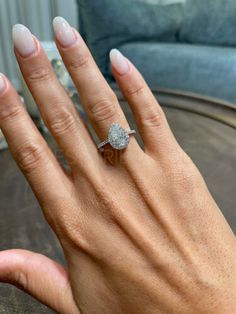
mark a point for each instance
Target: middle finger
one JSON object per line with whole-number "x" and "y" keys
{"x": 54, "y": 104}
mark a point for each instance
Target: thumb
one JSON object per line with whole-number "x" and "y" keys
{"x": 39, "y": 276}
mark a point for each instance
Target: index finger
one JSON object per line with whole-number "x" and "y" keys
{"x": 30, "y": 150}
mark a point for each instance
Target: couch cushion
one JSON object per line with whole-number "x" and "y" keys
{"x": 209, "y": 22}
{"x": 109, "y": 23}
{"x": 206, "y": 70}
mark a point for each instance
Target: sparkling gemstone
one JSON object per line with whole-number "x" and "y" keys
{"x": 118, "y": 137}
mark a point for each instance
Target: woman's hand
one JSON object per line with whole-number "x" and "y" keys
{"x": 141, "y": 233}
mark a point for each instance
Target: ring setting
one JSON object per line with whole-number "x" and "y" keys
{"x": 118, "y": 137}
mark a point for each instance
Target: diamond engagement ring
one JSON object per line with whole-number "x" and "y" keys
{"x": 118, "y": 137}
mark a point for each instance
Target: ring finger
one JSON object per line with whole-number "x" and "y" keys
{"x": 99, "y": 101}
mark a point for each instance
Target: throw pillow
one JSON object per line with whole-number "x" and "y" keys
{"x": 106, "y": 24}
{"x": 209, "y": 22}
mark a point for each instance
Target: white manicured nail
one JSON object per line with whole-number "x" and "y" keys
{"x": 119, "y": 62}
{"x": 2, "y": 83}
{"x": 63, "y": 31}
{"x": 23, "y": 40}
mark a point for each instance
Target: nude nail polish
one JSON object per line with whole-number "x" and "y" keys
{"x": 119, "y": 62}
{"x": 63, "y": 31}
{"x": 2, "y": 83}
{"x": 23, "y": 40}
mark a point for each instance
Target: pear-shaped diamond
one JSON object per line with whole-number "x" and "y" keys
{"x": 118, "y": 137}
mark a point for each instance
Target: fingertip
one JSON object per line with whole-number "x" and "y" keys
{"x": 119, "y": 62}
{"x": 23, "y": 40}
{"x": 64, "y": 32}
{"x": 113, "y": 53}
{"x": 3, "y": 83}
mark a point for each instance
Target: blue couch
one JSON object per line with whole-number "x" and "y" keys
{"x": 184, "y": 45}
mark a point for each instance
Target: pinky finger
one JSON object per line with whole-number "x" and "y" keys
{"x": 150, "y": 118}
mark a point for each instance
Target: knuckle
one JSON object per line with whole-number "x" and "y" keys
{"x": 152, "y": 118}
{"x": 73, "y": 233}
{"x": 135, "y": 91}
{"x": 63, "y": 122}
{"x": 103, "y": 109}
{"x": 28, "y": 157}
{"x": 81, "y": 61}
{"x": 9, "y": 111}
{"x": 186, "y": 180}
{"x": 38, "y": 74}
{"x": 185, "y": 176}
{"x": 21, "y": 280}
{"x": 107, "y": 202}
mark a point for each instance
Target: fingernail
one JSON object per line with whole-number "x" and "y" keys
{"x": 2, "y": 83}
{"x": 63, "y": 31}
{"x": 23, "y": 40}
{"x": 119, "y": 62}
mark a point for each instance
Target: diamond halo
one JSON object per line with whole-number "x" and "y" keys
{"x": 118, "y": 137}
